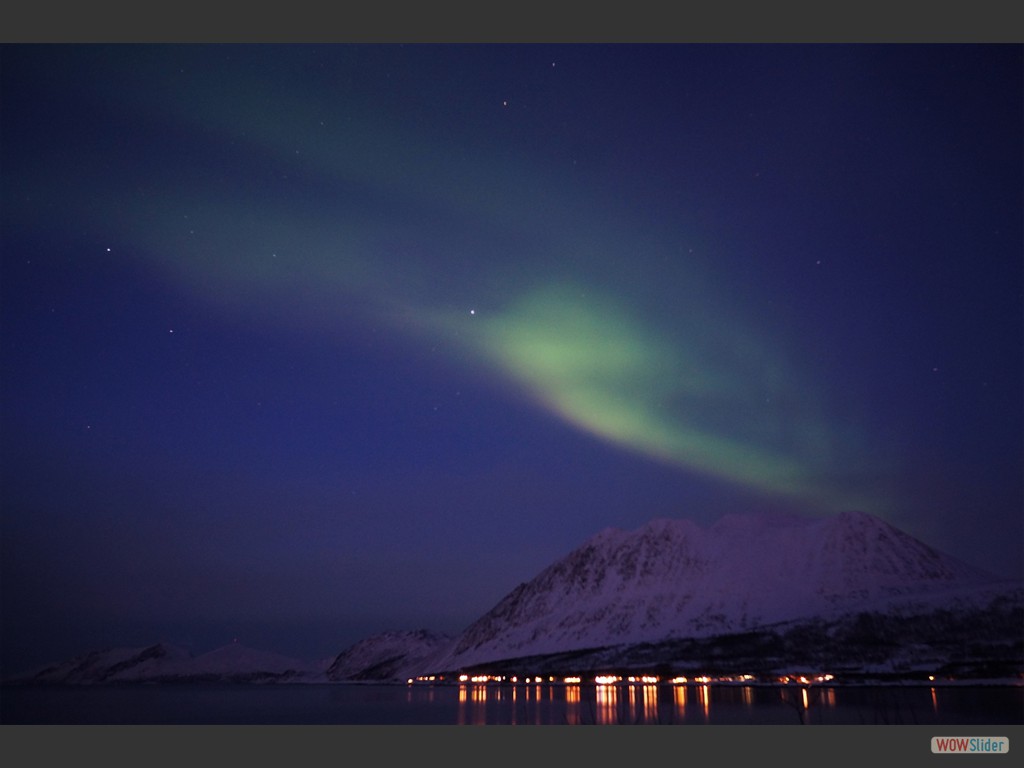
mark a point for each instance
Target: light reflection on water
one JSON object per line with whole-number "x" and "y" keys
{"x": 679, "y": 692}
{"x": 621, "y": 703}
{"x": 648, "y": 703}
{"x": 640, "y": 704}
{"x": 572, "y": 704}
{"x": 607, "y": 704}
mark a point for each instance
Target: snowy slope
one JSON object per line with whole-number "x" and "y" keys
{"x": 167, "y": 663}
{"x": 238, "y": 662}
{"x": 388, "y": 656}
{"x": 674, "y": 579}
{"x": 99, "y": 666}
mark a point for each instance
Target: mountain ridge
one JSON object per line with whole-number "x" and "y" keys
{"x": 164, "y": 662}
{"x": 625, "y": 596}
{"x": 672, "y": 579}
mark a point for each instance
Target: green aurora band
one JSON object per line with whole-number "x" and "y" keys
{"x": 677, "y": 378}
{"x": 596, "y": 365}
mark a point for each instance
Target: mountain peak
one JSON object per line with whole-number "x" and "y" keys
{"x": 672, "y": 578}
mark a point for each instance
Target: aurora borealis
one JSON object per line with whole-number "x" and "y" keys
{"x": 308, "y": 342}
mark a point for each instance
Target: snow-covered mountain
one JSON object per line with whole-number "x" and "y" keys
{"x": 673, "y": 579}
{"x": 169, "y": 663}
{"x": 848, "y": 588}
{"x": 388, "y": 656}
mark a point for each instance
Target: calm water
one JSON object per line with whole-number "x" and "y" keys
{"x": 493, "y": 704}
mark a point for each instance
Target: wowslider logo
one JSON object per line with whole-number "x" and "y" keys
{"x": 973, "y": 745}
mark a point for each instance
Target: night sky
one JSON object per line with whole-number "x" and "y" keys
{"x": 304, "y": 343}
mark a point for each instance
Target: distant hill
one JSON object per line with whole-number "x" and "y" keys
{"x": 388, "y": 656}
{"x": 167, "y": 663}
